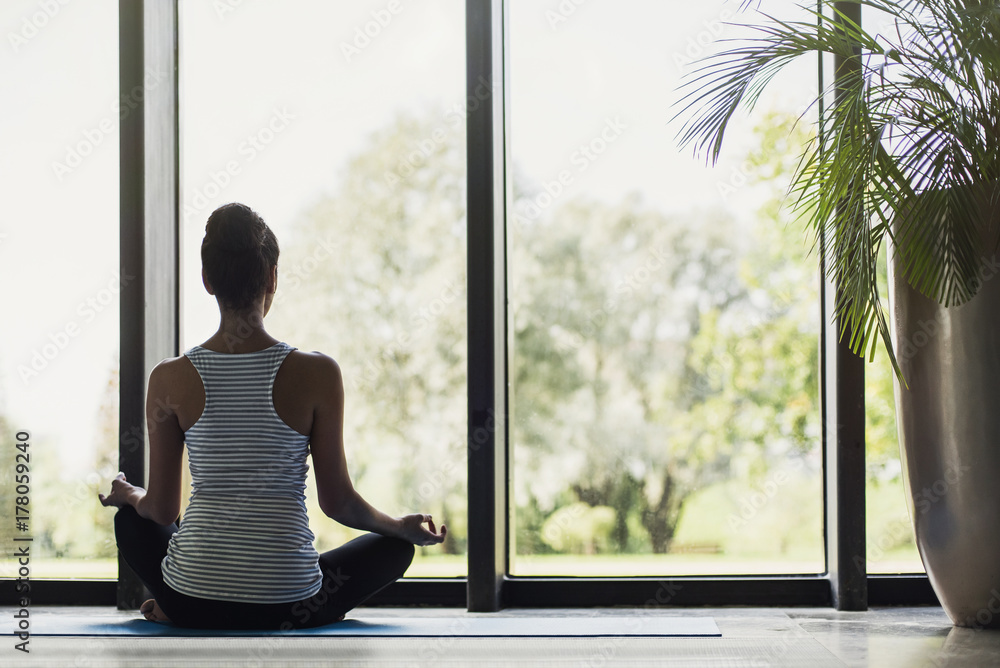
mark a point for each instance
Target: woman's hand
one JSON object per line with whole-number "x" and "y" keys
{"x": 123, "y": 493}
{"x": 411, "y": 528}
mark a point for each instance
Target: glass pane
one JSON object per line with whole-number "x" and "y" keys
{"x": 891, "y": 546}
{"x": 59, "y": 255}
{"x": 665, "y": 362}
{"x": 343, "y": 125}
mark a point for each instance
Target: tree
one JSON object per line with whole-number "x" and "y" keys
{"x": 601, "y": 320}
{"x": 375, "y": 276}
{"x": 634, "y": 374}
{"x": 8, "y": 493}
{"x": 72, "y": 523}
{"x": 632, "y": 384}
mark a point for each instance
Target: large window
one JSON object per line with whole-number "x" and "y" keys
{"x": 343, "y": 125}
{"x": 664, "y": 371}
{"x": 60, "y": 265}
{"x": 651, "y": 326}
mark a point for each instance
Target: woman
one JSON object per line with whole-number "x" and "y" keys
{"x": 250, "y": 409}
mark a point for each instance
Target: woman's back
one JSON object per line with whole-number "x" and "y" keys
{"x": 245, "y": 534}
{"x": 251, "y": 409}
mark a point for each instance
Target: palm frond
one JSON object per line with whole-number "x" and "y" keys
{"x": 910, "y": 148}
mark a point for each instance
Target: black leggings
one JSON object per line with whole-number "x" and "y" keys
{"x": 351, "y": 573}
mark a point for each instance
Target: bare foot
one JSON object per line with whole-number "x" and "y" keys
{"x": 151, "y": 611}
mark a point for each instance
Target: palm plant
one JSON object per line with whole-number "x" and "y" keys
{"x": 908, "y": 151}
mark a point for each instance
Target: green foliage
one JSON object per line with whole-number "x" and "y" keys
{"x": 604, "y": 299}
{"x": 70, "y": 521}
{"x": 881, "y": 439}
{"x": 657, "y": 355}
{"x": 374, "y": 276}
{"x": 661, "y": 367}
{"x": 753, "y": 367}
{"x": 779, "y": 514}
{"x": 910, "y": 149}
{"x": 7, "y": 490}
{"x": 66, "y": 519}
{"x": 580, "y": 529}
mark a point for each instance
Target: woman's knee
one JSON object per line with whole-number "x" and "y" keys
{"x": 125, "y": 517}
{"x": 395, "y": 553}
{"x": 403, "y": 552}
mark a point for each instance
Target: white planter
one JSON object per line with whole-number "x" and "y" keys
{"x": 949, "y": 433}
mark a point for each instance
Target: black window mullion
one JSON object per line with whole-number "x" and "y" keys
{"x": 487, "y": 305}
{"x": 149, "y": 168}
{"x": 843, "y": 404}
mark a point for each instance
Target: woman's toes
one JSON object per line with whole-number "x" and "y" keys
{"x": 150, "y": 609}
{"x": 147, "y": 608}
{"x": 158, "y": 615}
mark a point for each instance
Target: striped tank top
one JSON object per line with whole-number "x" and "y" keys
{"x": 245, "y": 534}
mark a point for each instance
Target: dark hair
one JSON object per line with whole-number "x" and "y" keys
{"x": 237, "y": 253}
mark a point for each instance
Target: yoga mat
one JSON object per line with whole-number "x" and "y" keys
{"x": 65, "y": 624}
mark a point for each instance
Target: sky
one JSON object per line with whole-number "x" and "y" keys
{"x": 305, "y": 80}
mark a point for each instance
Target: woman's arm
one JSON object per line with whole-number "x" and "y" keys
{"x": 337, "y": 497}
{"x": 161, "y": 501}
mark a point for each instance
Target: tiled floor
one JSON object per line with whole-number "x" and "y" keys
{"x": 810, "y": 637}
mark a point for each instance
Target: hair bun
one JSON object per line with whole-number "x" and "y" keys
{"x": 237, "y": 254}
{"x": 231, "y": 232}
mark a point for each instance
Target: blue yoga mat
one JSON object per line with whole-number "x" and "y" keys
{"x": 484, "y": 626}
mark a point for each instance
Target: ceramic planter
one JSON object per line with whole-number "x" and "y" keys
{"x": 949, "y": 432}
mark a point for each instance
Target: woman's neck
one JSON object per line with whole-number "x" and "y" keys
{"x": 240, "y": 332}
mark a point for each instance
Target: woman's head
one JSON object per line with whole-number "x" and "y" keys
{"x": 237, "y": 256}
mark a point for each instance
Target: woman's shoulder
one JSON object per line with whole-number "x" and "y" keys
{"x": 313, "y": 358}
{"x": 311, "y": 365}
{"x": 306, "y": 380}
{"x": 173, "y": 365}
{"x": 174, "y": 373}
